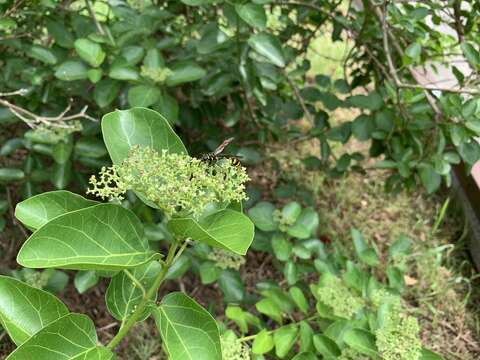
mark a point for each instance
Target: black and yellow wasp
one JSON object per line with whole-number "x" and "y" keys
{"x": 214, "y": 156}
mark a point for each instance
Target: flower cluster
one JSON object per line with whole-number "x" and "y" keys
{"x": 398, "y": 338}
{"x": 232, "y": 349}
{"x": 178, "y": 184}
{"x": 283, "y": 223}
{"x": 225, "y": 259}
{"x": 158, "y": 75}
{"x": 337, "y": 296}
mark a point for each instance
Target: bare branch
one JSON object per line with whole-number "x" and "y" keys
{"x": 34, "y": 120}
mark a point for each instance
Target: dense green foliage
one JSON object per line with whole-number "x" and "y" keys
{"x": 207, "y": 70}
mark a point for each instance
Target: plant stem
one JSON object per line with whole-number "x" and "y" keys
{"x": 146, "y": 298}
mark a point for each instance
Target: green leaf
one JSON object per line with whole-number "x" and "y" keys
{"x": 143, "y": 95}
{"x": 305, "y": 356}
{"x": 188, "y": 331}
{"x": 43, "y": 54}
{"x": 72, "y": 70}
{"x": 61, "y": 35}
{"x": 197, "y": 2}
{"x": 270, "y": 308}
{"x": 262, "y": 216}
{"x": 401, "y": 246}
{"x": 326, "y": 346}
{"x": 430, "y": 179}
{"x": 227, "y": 229}
{"x": 85, "y": 280}
{"x": 306, "y": 224}
{"x": 372, "y": 101}
{"x": 306, "y": 336}
{"x": 268, "y": 46}
{"x": 363, "y": 341}
{"x": 262, "y": 343}
{"x": 429, "y": 355}
{"x": 252, "y": 14}
{"x": 61, "y": 152}
{"x": 284, "y": 339}
{"x": 123, "y": 129}
{"x": 90, "y": 147}
{"x": 24, "y": 310}
{"x": 40, "y": 209}
{"x": 363, "y": 127}
{"x": 90, "y": 51}
{"x": 472, "y": 55}
{"x": 299, "y": 299}
{"x": 291, "y": 212}
{"x": 123, "y": 72}
{"x": 414, "y": 51}
{"x": 236, "y": 314}
{"x": 209, "y": 273}
{"x": 11, "y": 174}
{"x": 123, "y": 295}
{"x": 100, "y": 237}
{"x": 212, "y": 39}
{"x": 105, "y": 92}
{"x": 282, "y": 247}
{"x": 67, "y": 338}
{"x": 232, "y": 286}
{"x": 185, "y": 72}
{"x": 98, "y": 353}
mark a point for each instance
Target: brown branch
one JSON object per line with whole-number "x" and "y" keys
{"x": 299, "y": 98}
{"x": 95, "y": 20}
{"x": 33, "y": 120}
{"x": 458, "y": 19}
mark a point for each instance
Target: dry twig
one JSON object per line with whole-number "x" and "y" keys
{"x": 34, "y": 120}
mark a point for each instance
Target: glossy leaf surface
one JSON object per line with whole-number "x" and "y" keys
{"x": 188, "y": 331}
{"x": 24, "y": 310}
{"x": 38, "y": 210}
{"x": 226, "y": 229}
{"x": 101, "y": 237}
{"x": 123, "y": 295}
{"x": 68, "y": 338}
{"x": 138, "y": 126}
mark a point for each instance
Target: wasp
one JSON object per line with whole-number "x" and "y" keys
{"x": 212, "y": 157}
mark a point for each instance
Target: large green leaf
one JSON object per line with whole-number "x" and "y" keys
{"x": 70, "y": 337}
{"x": 188, "y": 331}
{"x": 138, "y": 126}
{"x": 123, "y": 295}
{"x": 90, "y": 51}
{"x": 268, "y": 46}
{"x": 24, "y": 310}
{"x": 40, "y": 209}
{"x": 98, "y": 353}
{"x": 226, "y": 229}
{"x": 100, "y": 237}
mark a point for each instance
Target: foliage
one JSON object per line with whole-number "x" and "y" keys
{"x": 348, "y": 314}
{"x": 107, "y": 240}
{"x": 242, "y": 67}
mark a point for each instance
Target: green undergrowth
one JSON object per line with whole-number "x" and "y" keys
{"x": 442, "y": 288}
